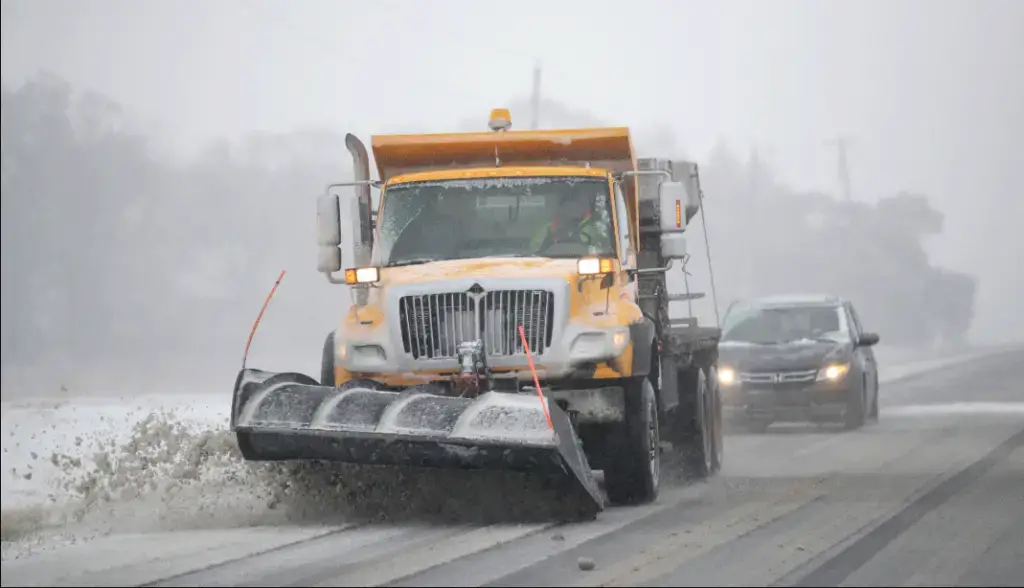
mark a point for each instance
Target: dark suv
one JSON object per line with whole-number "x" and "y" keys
{"x": 797, "y": 359}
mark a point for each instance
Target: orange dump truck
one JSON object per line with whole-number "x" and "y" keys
{"x": 510, "y": 311}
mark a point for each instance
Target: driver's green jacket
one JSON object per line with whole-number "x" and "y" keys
{"x": 587, "y": 231}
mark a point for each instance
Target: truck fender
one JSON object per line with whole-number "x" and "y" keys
{"x": 641, "y": 334}
{"x": 327, "y": 361}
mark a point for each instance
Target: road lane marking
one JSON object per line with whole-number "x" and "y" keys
{"x": 144, "y": 558}
{"x": 839, "y": 567}
{"x": 978, "y": 523}
{"x": 856, "y": 502}
{"x": 957, "y": 408}
{"x": 693, "y": 540}
{"x": 390, "y": 567}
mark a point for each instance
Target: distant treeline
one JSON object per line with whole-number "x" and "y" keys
{"x": 769, "y": 239}
{"x": 108, "y": 249}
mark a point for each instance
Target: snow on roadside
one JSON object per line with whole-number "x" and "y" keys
{"x": 92, "y": 467}
{"x": 46, "y": 447}
{"x": 86, "y": 467}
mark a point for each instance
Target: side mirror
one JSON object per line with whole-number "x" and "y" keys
{"x": 677, "y": 206}
{"x": 868, "y": 339}
{"x": 328, "y": 233}
{"x": 673, "y": 245}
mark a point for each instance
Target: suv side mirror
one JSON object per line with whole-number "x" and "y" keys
{"x": 868, "y": 339}
{"x": 328, "y": 234}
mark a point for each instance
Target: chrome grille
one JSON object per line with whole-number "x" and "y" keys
{"x": 433, "y": 325}
{"x": 790, "y": 377}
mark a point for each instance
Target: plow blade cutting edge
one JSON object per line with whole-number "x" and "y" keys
{"x": 290, "y": 416}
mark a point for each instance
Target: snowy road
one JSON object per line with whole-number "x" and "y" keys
{"x": 933, "y": 494}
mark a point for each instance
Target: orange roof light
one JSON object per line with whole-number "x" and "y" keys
{"x": 501, "y": 119}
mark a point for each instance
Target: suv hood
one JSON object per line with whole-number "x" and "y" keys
{"x": 795, "y": 355}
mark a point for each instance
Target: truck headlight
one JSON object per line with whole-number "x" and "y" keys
{"x": 362, "y": 275}
{"x": 589, "y": 266}
{"x": 619, "y": 341}
{"x": 833, "y": 372}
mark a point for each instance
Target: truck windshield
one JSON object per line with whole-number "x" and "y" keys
{"x": 563, "y": 216}
{"x": 785, "y": 324}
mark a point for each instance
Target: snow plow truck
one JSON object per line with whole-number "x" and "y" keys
{"x": 509, "y": 310}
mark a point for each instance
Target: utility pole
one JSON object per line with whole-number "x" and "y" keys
{"x": 842, "y": 166}
{"x": 535, "y": 98}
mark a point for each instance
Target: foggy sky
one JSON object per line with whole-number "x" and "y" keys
{"x": 931, "y": 91}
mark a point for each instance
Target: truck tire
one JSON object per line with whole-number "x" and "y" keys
{"x": 327, "y": 362}
{"x": 717, "y": 420}
{"x": 702, "y": 449}
{"x": 632, "y": 472}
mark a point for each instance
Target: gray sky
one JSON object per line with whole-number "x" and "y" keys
{"x": 931, "y": 90}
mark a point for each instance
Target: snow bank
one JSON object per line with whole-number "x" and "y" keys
{"x": 87, "y": 467}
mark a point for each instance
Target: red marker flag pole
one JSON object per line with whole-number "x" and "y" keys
{"x": 536, "y": 380}
{"x": 256, "y": 324}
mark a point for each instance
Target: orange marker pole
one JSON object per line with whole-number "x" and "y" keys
{"x": 256, "y": 324}
{"x": 536, "y": 380}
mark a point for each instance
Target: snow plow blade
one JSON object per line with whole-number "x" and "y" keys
{"x": 290, "y": 416}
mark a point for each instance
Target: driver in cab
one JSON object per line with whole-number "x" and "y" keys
{"x": 573, "y": 222}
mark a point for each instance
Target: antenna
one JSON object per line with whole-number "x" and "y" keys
{"x": 535, "y": 98}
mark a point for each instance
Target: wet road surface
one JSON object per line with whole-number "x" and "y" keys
{"x": 932, "y": 494}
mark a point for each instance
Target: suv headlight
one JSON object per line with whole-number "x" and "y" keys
{"x": 833, "y": 372}
{"x": 726, "y": 376}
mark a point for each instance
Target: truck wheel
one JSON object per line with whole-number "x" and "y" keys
{"x": 632, "y": 473}
{"x": 327, "y": 362}
{"x": 699, "y": 452}
{"x": 855, "y": 409}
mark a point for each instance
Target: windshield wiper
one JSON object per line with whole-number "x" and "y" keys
{"x": 813, "y": 339}
{"x": 410, "y": 262}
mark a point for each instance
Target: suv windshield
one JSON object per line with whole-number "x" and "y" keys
{"x": 784, "y": 324}
{"x": 563, "y": 216}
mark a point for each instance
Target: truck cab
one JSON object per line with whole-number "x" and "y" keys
{"x": 543, "y": 223}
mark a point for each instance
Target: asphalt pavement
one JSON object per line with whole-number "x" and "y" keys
{"x": 931, "y": 494}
